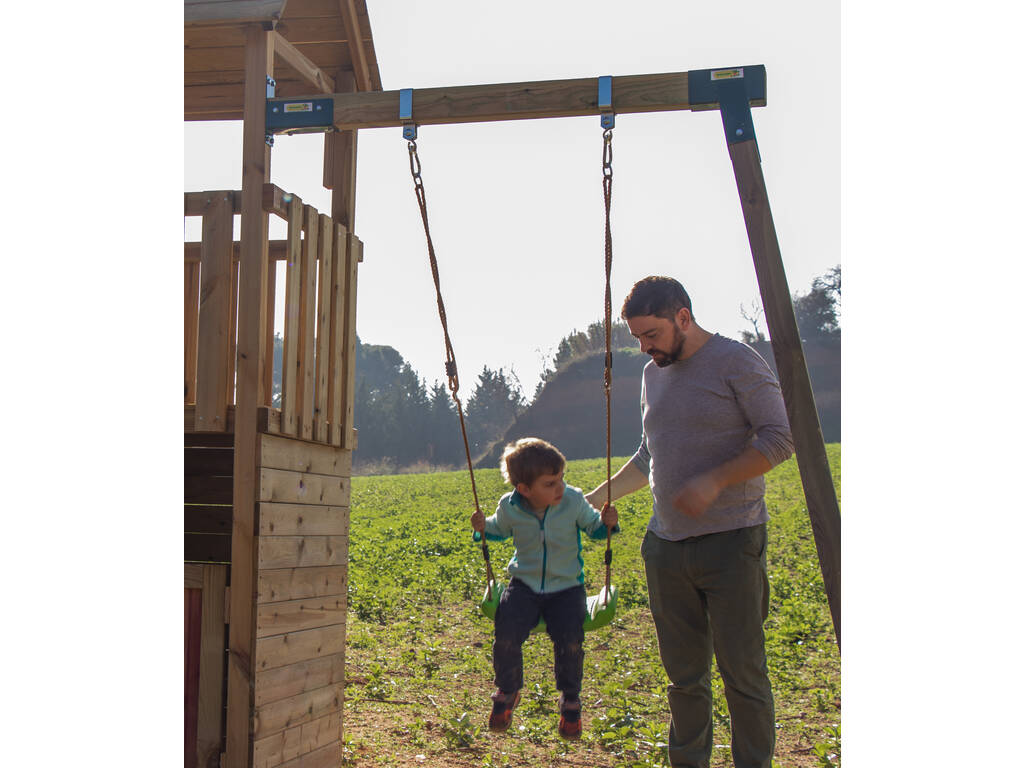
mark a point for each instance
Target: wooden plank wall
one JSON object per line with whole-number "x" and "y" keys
{"x": 301, "y": 606}
{"x": 208, "y": 477}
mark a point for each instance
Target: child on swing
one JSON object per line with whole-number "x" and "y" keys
{"x": 544, "y": 517}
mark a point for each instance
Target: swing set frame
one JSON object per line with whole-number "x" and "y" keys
{"x": 733, "y": 91}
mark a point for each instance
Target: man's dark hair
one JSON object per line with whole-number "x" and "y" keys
{"x": 656, "y": 295}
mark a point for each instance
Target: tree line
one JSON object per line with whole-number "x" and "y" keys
{"x": 403, "y": 422}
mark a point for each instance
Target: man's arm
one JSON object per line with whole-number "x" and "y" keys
{"x": 698, "y": 493}
{"x": 628, "y": 479}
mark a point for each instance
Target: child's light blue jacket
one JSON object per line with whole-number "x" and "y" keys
{"x": 548, "y": 551}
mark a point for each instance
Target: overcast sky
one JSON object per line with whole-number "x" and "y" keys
{"x": 516, "y": 208}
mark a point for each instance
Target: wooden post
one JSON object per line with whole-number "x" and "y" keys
{"x": 251, "y": 394}
{"x": 812, "y": 460}
{"x": 340, "y": 177}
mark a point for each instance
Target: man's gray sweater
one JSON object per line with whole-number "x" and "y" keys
{"x": 699, "y": 413}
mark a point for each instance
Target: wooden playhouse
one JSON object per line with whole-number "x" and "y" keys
{"x": 267, "y": 486}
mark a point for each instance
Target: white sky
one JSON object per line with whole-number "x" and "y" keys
{"x": 516, "y": 208}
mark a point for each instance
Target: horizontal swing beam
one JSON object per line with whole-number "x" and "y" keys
{"x": 694, "y": 90}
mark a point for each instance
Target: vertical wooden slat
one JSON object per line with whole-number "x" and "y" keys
{"x": 232, "y": 336}
{"x": 214, "y": 315}
{"x": 307, "y": 369}
{"x": 193, "y": 629}
{"x": 323, "y": 326}
{"x": 339, "y": 284}
{"x": 290, "y": 396}
{"x": 252, "y": 300}
{"x": 352, "y": 259}
{"x": 340, "y": 177}
{"x": 211, "y": 665}
{"x": 268, "y": 368}
{"x": 191, "y": 328}
{"x": 815, "y": 473}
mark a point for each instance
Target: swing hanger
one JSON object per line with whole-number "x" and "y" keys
{"x": 604, "y": 102}
{"x": 405, "y": 114}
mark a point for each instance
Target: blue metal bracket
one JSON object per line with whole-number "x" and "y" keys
{"x": 732, "y": 91}
{"x": 405, "y": 114}
{"x": 300, "y": 116}
{"x": 604, "y": 101}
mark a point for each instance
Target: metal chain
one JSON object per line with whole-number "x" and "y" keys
{"x": 450, "y": 367}
{"x": 607, "y": 185}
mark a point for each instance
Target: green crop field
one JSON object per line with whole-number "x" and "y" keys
{"x": 418, "y": 652}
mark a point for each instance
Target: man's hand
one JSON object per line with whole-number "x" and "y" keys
{"x": 609, "y": 516}
{"x": 478, "y": 521}
{"x": 697, "y": 494}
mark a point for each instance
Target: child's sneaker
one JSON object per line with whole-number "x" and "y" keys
{"x": 501, "y": 710}
{"x": 569, "y": 725}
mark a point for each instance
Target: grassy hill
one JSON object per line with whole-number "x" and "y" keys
{"x": 418, "y": 668}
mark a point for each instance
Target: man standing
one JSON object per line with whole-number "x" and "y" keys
{"x": 714, "y": 423}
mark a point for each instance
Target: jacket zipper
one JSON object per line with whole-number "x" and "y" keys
{"x": 544, "y": 547}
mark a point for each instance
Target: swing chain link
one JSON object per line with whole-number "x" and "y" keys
{"x": 451, "y": 370}
{"x": 606, "y": 183}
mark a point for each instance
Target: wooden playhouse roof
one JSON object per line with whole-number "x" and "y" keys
{"x": 316, "y": 41}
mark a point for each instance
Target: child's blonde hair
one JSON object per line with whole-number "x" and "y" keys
{"x": 528, "y": 458}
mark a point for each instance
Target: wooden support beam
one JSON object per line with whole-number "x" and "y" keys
{"x": 340, "y": 167}
{"x": 252, "y": 354}
{"x": 357, "y": 50}
{"x": 219, "y": 12}
{"x": 515, "y": 101}
{"x": 812, "y": 460}
{"x": 298, "y": 61}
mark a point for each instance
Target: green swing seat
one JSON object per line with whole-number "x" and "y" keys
{"x": 599, "y": 611}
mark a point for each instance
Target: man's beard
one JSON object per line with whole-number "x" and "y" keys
{"x": 674, "y": 354}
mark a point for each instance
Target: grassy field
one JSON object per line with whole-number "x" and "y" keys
{"x": 418, "y": 652}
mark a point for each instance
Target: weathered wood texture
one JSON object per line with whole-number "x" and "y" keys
{"x": 301, "y": 601}
{"x": 208, "y": 497}
{"x": 514, "y": 101}
{"x": 315, "y": 340}
{"x": 204, "y": 663}
{"x": 193, "y": 629}
{"x": 218, "y": 11}
{"x": 316, "y": 46}
{"x": 252, "y": 300}
{"x": 812, "y": 460}
{"x": 211, "y": 294}
{"x": 353, "y": 256}
{"x": 191, "y": 328}
{"x": 216, "y": 338}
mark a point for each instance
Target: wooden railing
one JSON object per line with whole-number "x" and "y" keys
{"x": 318, "y": 372}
